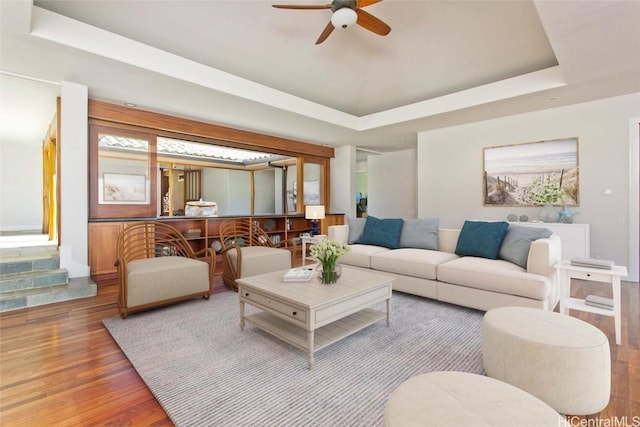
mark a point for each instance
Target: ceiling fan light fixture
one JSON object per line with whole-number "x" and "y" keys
{"x": 344, "y": 17}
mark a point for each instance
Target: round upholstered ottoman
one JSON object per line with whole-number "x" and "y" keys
{"x": 448, "y": 399}
{"x": 560, "y": 359}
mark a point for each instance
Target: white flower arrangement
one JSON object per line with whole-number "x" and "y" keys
{"x": 543, "y": 191}
{"x": 328, "y": 251}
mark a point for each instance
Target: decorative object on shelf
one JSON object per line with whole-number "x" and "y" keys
{"x": 315, "y": 213}
{"x": 269, "y": 225}
{"x": 566, "y": 215}
{"x": 546, "y": 192}
{"x": 523, "y": 218}
{"x": 216, "y": 245}
{"x": 193, "y": 233}
{"x": 548, "y": 213}
{"x": 201, "y": 208}
{"x": 512, "y": 217}
{"x": 327, "y": 253}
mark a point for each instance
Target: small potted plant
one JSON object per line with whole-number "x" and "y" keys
{"x": 327, "y": 252}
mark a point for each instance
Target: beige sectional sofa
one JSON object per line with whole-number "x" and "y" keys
{"x": 469, "y": 281}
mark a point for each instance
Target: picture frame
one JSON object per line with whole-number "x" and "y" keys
{"x": 311, "y": 192}
{"x": 121, "y": 189}
{"x": 515, "y": 175}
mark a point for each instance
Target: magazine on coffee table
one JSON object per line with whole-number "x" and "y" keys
{"x": 301, "y": 274}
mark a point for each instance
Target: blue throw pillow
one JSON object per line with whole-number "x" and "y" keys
{"x": 420, "y": 233}
{"x": 382, "y": 232}
{"x": 517, "y": 241}
{"x": 481, "y": 239}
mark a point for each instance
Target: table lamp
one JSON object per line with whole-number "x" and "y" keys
{"x": 315, "y": 213}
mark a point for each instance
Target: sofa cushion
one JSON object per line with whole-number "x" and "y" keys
{"x": 360, "y": 255}
{"x": 151, "y": 280}
{"x": 382, "y": 232}
{"x": 356, "y": 227}
{"x": 517, "y": 241}
{"x": 420, "y": 233}
{"x": 494, "y": 275}
{"x": 481, "y": 239}
{"x": 259, "y": 260}
{"x": 420, "y": 263}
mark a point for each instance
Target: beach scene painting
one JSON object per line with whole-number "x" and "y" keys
{"x": 532, "y": 174}
{"x": 123, "y": 188}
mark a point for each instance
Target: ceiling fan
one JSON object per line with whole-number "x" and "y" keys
{"x": 345, "y": 13}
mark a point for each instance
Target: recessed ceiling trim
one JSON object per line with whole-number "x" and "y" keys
{"x": 66, "y": 31}
{"x": 23, "y": 76}
{"x": 69, "y": 32}
{"x": 548, "y": 78}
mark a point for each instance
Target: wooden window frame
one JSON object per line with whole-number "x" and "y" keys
{"x": 97, "y": 210}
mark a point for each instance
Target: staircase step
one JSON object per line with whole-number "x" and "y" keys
{"x": 33, "y": 279}
{"x": 20, "y": 260}
{"x": 81, "y": 287}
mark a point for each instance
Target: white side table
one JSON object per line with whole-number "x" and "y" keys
{"x": 310, "y": 240}
{"x": 566, "y": 272}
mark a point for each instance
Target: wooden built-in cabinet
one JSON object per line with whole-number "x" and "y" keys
{"x": 130, "y": 150}
{"x": 103, "y": 235}
{"x": 103, "y": 238}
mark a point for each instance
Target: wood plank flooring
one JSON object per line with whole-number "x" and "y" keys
{"x": 60, "y": 366}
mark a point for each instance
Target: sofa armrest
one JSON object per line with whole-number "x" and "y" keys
{"x": 544, "y": 254}
{"x": 339, "y": 233}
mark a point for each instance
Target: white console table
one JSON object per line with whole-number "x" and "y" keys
{"x": 566, "y": 271}
{"x": 575, "y": 238}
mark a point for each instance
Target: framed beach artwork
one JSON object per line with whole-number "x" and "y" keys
{"x": 124, "y": 188}
{"x": 532, "y": 174}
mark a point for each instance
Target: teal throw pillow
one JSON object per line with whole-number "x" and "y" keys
{"x": 517, "y": 241}
{"x": 481, "y": 239}
{"x": 382, "y": 232}
{"x": 420, "y": 233}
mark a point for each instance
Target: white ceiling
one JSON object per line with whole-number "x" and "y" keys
{"x": 248, "y": 65}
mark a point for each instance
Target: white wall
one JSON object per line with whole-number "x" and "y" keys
{"x": 343, "y": 181}
{"x": 392, "y": 184}
{"x": 73, "y": 180}
{"x": 450, "y": 167}
{"x": 20, "y": 185}
{"x": 265, "y": 190}
{"x": 239, "y": 192}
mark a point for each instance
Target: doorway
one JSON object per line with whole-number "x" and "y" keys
{"x": 27, "y": 110}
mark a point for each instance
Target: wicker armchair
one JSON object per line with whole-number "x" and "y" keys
{"x": 157, "y": 266}
{"x": 248, "y": 251}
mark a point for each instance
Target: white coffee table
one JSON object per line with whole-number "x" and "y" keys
{"x": 311, "y": 316}
{"x": 566, "y": 272}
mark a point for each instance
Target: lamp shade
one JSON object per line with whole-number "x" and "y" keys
{"x": 344, "y": 17}
{"x": 314, "y": 212}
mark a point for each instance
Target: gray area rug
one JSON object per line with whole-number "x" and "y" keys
{"x": 204, "y": 371}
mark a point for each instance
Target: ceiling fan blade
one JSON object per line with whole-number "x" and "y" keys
{"x": 325, "y": 33}
{"x": 371, "y": 23}
{"x": 300, "y": 6}
{"x": 365, "y": 3}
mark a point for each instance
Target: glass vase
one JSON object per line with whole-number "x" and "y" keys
{"x": 548, "y": 213}
{"x": 328, "y": 275}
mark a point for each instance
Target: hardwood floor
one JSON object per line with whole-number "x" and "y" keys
{"x": 60, "y": 366}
